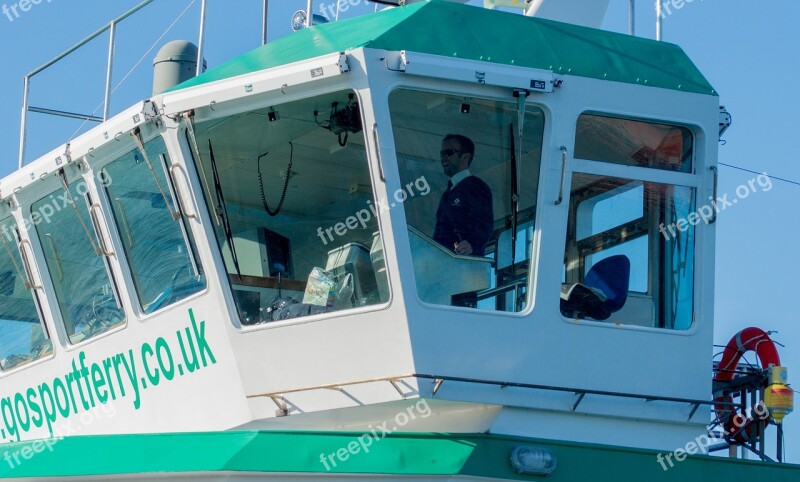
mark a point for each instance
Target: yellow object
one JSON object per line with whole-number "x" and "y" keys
{"x": 778, "y": 375}
{"x": 779, "y": 400}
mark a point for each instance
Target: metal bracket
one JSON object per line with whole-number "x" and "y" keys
{"x": 694, "y": 410}
{"x": 578, "y": 401}
{"x": 397, "y": 387}
{"x": 725, "y": 120}
{"x": 437, "y": 384}
{"x": 149, "y": 110}
{"x": 344, "y": 64}
{"x": 283, "y": 408}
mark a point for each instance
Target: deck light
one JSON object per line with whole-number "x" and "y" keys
{"x": 527, "y": 459}
{"x": 299, "y": 20}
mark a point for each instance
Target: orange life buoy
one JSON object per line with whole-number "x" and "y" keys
{"x": 738, "y": 426}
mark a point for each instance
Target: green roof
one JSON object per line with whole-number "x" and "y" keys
{"x": 462, "y": 31}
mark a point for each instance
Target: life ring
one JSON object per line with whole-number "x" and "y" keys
{"x": 740, "y": 428}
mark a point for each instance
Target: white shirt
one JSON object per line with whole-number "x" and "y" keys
{"x": 460, "y": 176}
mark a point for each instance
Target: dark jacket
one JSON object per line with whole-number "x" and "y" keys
{"x": 465, "y": 213}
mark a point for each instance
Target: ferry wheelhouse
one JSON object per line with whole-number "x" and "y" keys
{"x": 236, "y": 278}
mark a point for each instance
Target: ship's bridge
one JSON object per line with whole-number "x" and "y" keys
{"x": 296, "y": 199}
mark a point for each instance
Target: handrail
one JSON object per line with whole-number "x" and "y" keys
{"x": 463, "y": 257}
{"x": 332, "y": 386}
{"x": 27, "y": 79}
{"x": 27, "y": 263}
{"x": 112, "y": 28}
{"x": 178, "y": 194}
{"x": 89, "y": 38}
{"x": 440, "y": 379}
{"x": 560, "y": 198}
{"x": 93, "y": 215}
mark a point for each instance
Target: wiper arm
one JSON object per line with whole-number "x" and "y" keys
{"x": 222, "y": 208}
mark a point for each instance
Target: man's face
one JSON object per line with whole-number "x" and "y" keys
{"x": 456, "y": 161}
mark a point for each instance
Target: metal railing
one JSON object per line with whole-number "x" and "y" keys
{"x": 438, "y": 380}
{"x": 632, "y": 19}
{"x": 111, "y": 28}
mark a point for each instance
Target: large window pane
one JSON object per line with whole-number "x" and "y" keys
{"x": 629, "y": 252}
{"x": 295, "y": 216}
{"x": 471, "y": 232}
{"x": 633, "y": 143}
{"x": 158, "y": 247}
{"x": 22, "y": 337}
{"x": 86, "y": 292}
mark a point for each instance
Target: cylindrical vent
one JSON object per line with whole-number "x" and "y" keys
{"x": 176, "y": 62}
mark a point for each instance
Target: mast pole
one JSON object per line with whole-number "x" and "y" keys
{"x": 658, "y": 20}
{"x": 264, "y": 24}
{"x": 112, "y": 28}
{"x": 632, "y": 17}
{"x": 202, "y": 40}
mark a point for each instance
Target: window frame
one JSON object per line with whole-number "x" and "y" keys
{"x": 644, "y": 120}
{"x": 581, "y": 207}
{"x": 130, "y": 287}
{"x": 39, "y": 306}
{"x": 118, "y": 279}
{"x": 494, "y": 94}
{"x": 692, "y": 180}
{"x": 375, "y": 168}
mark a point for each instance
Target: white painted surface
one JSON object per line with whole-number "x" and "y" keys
{"x": 407, "y": 336}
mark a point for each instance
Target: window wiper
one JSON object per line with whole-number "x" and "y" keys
{"x": 63, "y": 176}
{"x": 522, "y": 97}
{"x": 137, "y": 138}
{"x": 192, "y": 139}
{"x": 222, "y": 208}
{"x": 514, "y": 197}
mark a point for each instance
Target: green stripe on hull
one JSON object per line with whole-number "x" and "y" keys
{"x": 459, "y": 31}
{"x": 446, "y": 455}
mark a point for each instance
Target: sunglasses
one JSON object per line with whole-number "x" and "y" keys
{"x": 448, "y": 152}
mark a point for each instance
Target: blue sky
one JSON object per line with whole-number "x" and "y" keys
{"x": 744, "y": 48}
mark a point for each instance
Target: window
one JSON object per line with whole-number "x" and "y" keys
{"x": 605, "y": 212}
{"x": 84, "y": 283}
{"x": 293, "y": 208}
{"x": 628, "y": 260}
{"x": 633, "y": 143}
{"x": 471, "y": 240}
{"x": 22, "y": 336}
{"x": 158, "y": 247}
